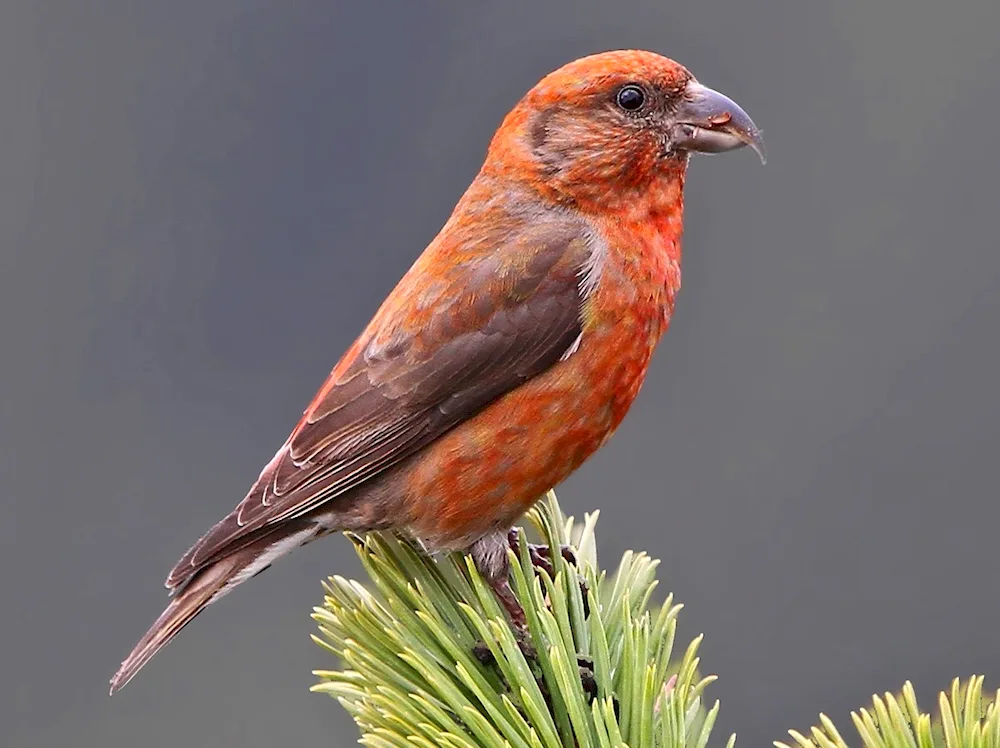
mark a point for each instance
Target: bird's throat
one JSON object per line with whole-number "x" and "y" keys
{"x": 644, "y": 238}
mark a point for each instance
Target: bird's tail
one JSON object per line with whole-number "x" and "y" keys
{"x": 207, "y": 586}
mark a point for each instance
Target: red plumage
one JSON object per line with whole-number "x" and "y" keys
{"x": 508, "y": 353}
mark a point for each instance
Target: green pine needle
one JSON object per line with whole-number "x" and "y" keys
{"x": 410, "y": 675}
{"x": 967, "y": 719}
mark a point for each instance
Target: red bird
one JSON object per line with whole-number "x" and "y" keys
{"x": 510, "y": 351}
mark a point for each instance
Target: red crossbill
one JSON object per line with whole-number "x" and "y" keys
{"x": 508, "y": 353}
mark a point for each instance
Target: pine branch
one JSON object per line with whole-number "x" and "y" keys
{"x": 411, "y": 675}
{"x": 428, "y": 659}
{"x": 966, "y": 719}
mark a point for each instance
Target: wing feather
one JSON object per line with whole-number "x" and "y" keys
{"x": 434, "y": 355}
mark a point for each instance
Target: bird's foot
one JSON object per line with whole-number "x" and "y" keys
{"x": 482, "y": 652}
{"x": 588, "y": 682}
{"x": 490, "y": 558}
{"x": 541, "y": 558}
{"x": 584, "y": 664}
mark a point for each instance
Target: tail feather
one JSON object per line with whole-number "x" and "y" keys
{"x": 207, "y": 586}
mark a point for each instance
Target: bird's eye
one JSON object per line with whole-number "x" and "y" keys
{"x": 631, "y": 98}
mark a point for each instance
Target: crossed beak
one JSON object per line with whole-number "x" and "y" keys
{"x": 710, "y": 122}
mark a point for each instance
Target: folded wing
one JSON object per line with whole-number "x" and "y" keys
{"x": 464, "y": 326}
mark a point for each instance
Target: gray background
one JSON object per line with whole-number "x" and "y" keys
{"x": 201, "y": 203}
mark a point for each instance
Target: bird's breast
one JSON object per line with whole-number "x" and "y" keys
{"x": 482, "y": 475}
{"x": 628, "y": 315}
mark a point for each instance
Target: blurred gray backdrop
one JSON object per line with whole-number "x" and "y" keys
{"x": 202, "y": 203}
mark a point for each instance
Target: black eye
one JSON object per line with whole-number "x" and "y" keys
{"x": 631, "y": 98}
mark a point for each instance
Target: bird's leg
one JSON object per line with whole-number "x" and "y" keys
{"x": 541, "y": 558}
{"x": 490, "y": 556}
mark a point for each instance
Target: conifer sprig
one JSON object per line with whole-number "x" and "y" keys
{"x": 429, "y": 660}
{"x": 601, "y": 674}
{"x": 966, "y": 719}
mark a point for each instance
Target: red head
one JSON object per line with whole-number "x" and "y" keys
{"x": 611, "y": 125}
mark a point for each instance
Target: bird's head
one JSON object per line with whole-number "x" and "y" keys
{"x": 616, "y": 122}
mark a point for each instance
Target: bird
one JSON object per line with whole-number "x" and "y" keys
{"x": 508, "y": 353}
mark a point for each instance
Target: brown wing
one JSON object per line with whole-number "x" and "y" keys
{"x": 443, "y": 345}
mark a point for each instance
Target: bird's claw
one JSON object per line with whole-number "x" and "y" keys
{"x": 482, "y": 652}
{"x": 541, "y": 558}
{"x": 585, "y": 666}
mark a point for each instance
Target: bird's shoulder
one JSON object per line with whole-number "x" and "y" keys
{"x": 499, "y": 270}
